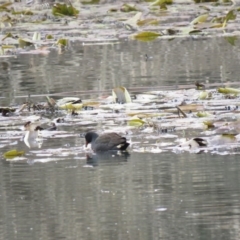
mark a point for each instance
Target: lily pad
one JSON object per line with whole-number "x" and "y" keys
{"x": 62, "y": 42}
{"x": 13, "y": 153}
{"x": 146, "y": 36}
{"x": 71, "y": 106}
{"x": 49, "y": 37}
{"x": 229, "y": 90}
{"x": 203, "y": 114}
{"x": 200, "y": 19}
{"x": 135, "y": 122}
{"x": 203, "y": 95}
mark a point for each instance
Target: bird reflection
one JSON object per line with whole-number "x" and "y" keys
{"x": 107, "y": 158}
{"x": 32, "y": 137}
{"x": 33, "y": 140}
{"x": 34, "y": 134}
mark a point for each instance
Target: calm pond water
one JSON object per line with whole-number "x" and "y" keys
{"x": 135, "y": 196}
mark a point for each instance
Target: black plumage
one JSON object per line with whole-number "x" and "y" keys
{"x": 106, "y": 142}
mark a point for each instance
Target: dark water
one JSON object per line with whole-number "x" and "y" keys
{"x": 158, "y": 196}
{"x": 139, "y": 196}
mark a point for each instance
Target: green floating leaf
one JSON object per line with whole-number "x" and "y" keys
{"x": 203, "y": 114}
{"x": 61, "y": 10}
{"x": 121, "y": 95}
{"x": 207, "y": 25}
{"x": 231, "y": 15}
{"x": 161, "y": 2}
{"x": 209, "y": 124}
{"x": 128, "y": 8}
{"x": 62, "y": 42}
{"x": 146, "y": 36}
{"x": 4, "y": 6}
{"x": 25, "y": 42}
{"x": 231, "y": 40}
{"x": 229, "y": 90}
{"x": 200, "y": 19}
{"x": 71, "y": 106}
{"x": 203, "y": 95}
{"x": 135, "y": 122}
{"x": 148, "y": 21}
{"x": 49, "y": 37}
{"x": 6, "y": 47}
{"x": 229, "y": 136}
{"x": 13, "y": 153}
{"x": 70, "y": 103}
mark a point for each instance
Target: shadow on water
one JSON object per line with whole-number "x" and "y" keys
{"x": 107, "y": 158}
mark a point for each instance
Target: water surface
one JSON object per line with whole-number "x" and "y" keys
{"x": 105, "y": 66}
{"x": 135, "y": 196}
